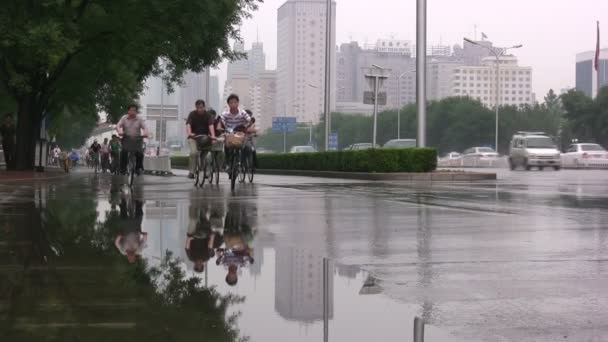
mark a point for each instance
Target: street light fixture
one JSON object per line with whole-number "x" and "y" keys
{"x": 399, "y": 101}
{"x": 497, "y": 53}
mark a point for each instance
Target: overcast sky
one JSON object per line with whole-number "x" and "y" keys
{"x": 552, "y": 31}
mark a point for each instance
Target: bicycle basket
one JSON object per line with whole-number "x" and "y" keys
{"x": 235, "y": 140}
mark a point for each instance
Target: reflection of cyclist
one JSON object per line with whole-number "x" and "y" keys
{"x": 131, "y": 240}
{"x": 201, "y": 240}
{"x": 237, "y": 236}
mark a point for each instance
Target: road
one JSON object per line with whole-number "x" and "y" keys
{"x": 524, "y": 258}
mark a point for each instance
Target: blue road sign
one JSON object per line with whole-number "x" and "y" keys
{"x": 333, "y": 141}
{"x": 284, "y": 124}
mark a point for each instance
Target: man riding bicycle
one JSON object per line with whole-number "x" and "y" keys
{"x": 94, "y": 152}
{"x": 199, "y": 124}
{"x": 235, "y": 120}
{"x": 132, "y": 129}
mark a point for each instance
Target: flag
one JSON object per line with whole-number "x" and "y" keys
{"x": 596, "y": 61}
{"x": 483, "y": 36}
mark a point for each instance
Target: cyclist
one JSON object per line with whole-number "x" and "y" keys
{"x": 131, "y": 128}
{"x": 74, "y": 157}
{"x": 105, "y": 155}
{"x": 234, "y": 119}
{"x": 115, "y": 152}
{"x": 199, "y": 122}
{"x": 250, "y": 139}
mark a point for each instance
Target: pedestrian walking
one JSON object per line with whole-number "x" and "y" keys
{"x": 7, "y": 131}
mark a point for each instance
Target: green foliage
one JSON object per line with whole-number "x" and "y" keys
{"x": 587, "y": 118}
{"x": 179, "y": 162}
{"x": 373, "y": 160}
{"x": 453, "y": 124}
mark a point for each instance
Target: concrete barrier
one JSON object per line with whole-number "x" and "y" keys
{"x": 405, "y": 177}
{"x": 157, "y": 165}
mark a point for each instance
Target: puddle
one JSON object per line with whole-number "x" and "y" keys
{"x": 202, "y": 268}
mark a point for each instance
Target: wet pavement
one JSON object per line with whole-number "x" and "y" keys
{"x": 524, "y": 258}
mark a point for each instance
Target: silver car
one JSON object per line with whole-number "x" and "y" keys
{"x": 534, "y": 149}
{"x": 400, "y": 143}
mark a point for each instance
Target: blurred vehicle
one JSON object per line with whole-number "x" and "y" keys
{"x": 400, "y": 143}
{"x": 480, "y": 157}
{"x": 585, "y": 156}
{"x": 302, "y": 149}
{"x": 360, "y": 147}
{"x": 533, "y": 149}
{"x": 451, "y": 159}
{"x": 260, "y": 150}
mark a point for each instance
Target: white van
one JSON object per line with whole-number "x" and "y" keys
{"x": 534, "y": 149}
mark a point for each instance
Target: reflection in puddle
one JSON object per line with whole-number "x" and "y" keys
{"x": 126, "y": 268}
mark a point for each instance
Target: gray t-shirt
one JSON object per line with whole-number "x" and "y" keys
{"x": 132, "y": 127}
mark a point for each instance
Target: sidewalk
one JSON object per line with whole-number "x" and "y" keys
{"x": 16, "y": 176}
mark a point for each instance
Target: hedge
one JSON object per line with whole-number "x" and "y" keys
{"x": 373, "y": 160}
{"x": 179, "y": 162}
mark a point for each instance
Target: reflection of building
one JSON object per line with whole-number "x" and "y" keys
{"x": 301, "y": 46}
{"x": 299, "y": 285}
{"x": 586, "y": 75}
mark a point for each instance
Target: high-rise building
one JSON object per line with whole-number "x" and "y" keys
{"x": 256, "y": 59}
{"x": 390, "y": 54}
{"x": 586, "y": 75}
{"x": 214, "y": 93}
{"x": 479, "y": 82}
{"x": 239, "y": 66}
{"x": 301, "y": 47}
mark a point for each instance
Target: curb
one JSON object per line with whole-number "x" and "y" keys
{"x": 406, "y": 177}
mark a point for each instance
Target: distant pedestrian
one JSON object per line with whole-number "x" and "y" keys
{"x": 7, "y": 130}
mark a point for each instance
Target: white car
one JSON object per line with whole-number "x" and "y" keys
{"x": 585, "y": 156}
{"x": 302, "y": 149}
{"x": 480, "y": 157}
{"x": 451, "y": 159}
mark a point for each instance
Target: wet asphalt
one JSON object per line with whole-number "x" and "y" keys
{"x": 524, "y": 258}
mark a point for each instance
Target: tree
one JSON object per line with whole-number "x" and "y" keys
{"x": 93, "y": 55}
{"x": 587, "y": 118}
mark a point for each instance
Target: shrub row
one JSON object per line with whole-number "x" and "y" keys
{"x": 374, "y": 160}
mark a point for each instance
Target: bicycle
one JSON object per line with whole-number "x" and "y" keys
{"x": 203, "y": 145}
{"x": 95, "y": 162}
{"x": 248, "y": 165}
{"x": 214, "y": 161}
{"x": 133, "y": 146}
{"x": 235, "y": 143}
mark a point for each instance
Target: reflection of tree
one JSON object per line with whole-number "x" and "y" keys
{"x": 66, "y": 282}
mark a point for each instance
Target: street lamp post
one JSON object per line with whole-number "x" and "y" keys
{"x": 497, "y": 54}
{"x": 399, "y": 102}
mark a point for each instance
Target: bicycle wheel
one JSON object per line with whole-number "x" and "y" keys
{"x": 251, "y": 167}
{"x": 203, "y": 165}
{"x": 209, "y": 168}
{"x": 132, "y": 165}
{"x": 243, "y": 168}
{"x": 216, "y": 167}
{"x": 234, "y": 169}
{"x": 197, "y": 172}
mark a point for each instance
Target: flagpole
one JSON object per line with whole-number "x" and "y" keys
{"x": 597, "y": 60}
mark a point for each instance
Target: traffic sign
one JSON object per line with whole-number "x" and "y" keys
{"x": 368, "y": 98}
{"x": 333, "y": 141}
{"x": 284, "y": 124}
